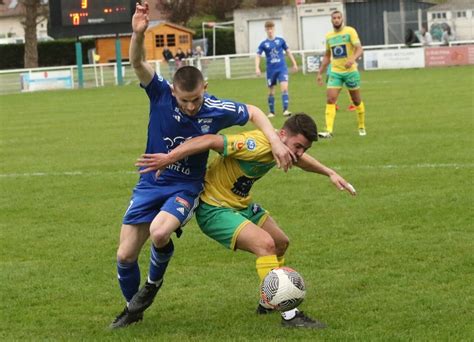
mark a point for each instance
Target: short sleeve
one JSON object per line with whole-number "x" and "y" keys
{"x": 247, "y": 146}
{"x": 157, "y": 88}
{"x": 284, "y": 45}
{"x": 354, "y": 37}
{"x": 260, "y": 49}
{"x": 228, "y": 113}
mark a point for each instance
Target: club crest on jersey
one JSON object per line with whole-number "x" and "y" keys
{"x": 251, "y": 144}
{"x": 205, "y": 128}
{"x": 182, "y": 202}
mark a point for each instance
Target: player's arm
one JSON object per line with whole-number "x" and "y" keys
{"x": 323, "y": 67}
{"x": 310, "y": 164}
{"x": 257, "y": 64}
{"x": 292, "y": 59}
{"x": 159, "y": 161}
{"x": 282, "y": 154}
{"x": 357, "y": 53}
{"x": 142, "y": 69}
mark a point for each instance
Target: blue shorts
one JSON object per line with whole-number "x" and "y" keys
{"x": 177, "y": 199}
{"x": 276, "y": 75}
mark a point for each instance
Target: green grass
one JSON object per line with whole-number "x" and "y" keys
{"x": 394, "y": 263}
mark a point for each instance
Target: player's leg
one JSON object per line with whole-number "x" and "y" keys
{"x": 279, "y": 237}
{"x": 353, "y": 84}
{"x": 132, "y": 239}
{"x": 334, "y": 85}
{"x": 285, "y": 98}
{"x": 175, "y": 212}
{"x": 271, "y": 82}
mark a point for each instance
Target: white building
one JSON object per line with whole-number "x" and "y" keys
{"x": 303, "y": 27}
{"x": 458, "y": 14}
{"x": 11, "y": 29}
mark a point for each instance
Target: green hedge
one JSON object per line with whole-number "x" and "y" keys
{"x": 225, "y": 41}
{"x": 53, "y": 53}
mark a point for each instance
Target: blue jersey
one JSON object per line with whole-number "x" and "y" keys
{"x": 274, "y": 53}
{"x": 168, "y": 127}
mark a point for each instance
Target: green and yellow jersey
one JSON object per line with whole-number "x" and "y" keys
{"x": 246, "y": 157}
{"x": 342, "y": 45}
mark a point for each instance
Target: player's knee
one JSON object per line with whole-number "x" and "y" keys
{"x": 159, "y": 237}
{"x": 331, "y": 99}
{"x": 282, "y": 245}
{"x": 266, "y": 247}
{"x": 126, "y": 256}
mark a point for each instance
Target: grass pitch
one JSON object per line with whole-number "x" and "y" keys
{"x": 393, "y": 263}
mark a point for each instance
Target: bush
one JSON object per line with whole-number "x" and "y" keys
{"x": 52, "y": 53}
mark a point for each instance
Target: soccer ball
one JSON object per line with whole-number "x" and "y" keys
{"x": 282, "y": 289}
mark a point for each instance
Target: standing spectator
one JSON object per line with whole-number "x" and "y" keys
{"x": 179, "y": 57}
{"x": 169, "y": 58}
{"x": 448, "y": 35}
{"x": 425, "y": 37}
{"x": 200, "y": 63}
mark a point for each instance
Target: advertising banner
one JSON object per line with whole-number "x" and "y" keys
{"x": 46, "y": 80}
{"x": 449, "y": 55}
{"x": 394, "y": 59}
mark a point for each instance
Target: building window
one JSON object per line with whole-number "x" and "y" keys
{"x": 461, "y": 14}
{"x": 171, "y": 40}
{"x": 159, "y": 40}
{"x": 183, "y": 39}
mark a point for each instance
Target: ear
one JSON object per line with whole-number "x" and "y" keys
{"x": 282, "y": 133}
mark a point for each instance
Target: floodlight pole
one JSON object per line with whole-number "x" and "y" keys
{"x": 118, "y": 59}
{"x": 80, "y": 74}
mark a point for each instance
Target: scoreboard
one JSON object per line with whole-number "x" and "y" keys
{"x": 74, "y": 18}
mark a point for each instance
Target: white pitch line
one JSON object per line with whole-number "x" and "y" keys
{"x": 378, "y": 167}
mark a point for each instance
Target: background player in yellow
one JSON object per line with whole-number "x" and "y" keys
{"x": 343, "y": 48}
{"x": 227, "y": 212}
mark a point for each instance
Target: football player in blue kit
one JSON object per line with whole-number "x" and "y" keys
{"x": 161, "y": 206}
{"x": 277, "y": 70}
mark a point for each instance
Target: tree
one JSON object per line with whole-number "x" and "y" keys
{"x": 220, "y": 7}
{"x": 35, "y": 11}
{"x": 178, "y": 11}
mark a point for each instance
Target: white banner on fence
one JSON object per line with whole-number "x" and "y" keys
{"x": 394, "y": 59}
{"x": 46, "y": 80}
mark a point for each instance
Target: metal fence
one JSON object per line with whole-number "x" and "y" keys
{"x": 216, "y": 67}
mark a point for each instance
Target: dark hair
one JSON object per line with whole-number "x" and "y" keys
{"x": 334, "y": 12}
{"x": 301, "y": 123}
{"x": 187, "y": 78}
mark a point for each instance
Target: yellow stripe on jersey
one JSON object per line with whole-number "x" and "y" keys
{"x": 246, "y": 157}
{"x": 342, "y": 45}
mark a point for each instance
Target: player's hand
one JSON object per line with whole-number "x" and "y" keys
{"x": 295, "y": 68}
{"x": 284, "y": 158}
{"x": 153, "y": 162}
{"x": 349, "y": 63}
{"x": 342, "y": 184}
{"x": 319, "y": 79}
{"x": 140, "y": 18}
{"x": 258, "y": 72}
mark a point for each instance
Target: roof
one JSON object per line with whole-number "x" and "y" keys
{"x": 453, "y": 5}
{"x": 173, "y": 25}
{"x": 11, "y": 8}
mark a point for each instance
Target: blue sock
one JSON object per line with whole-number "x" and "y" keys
{"x": 129, "y": 279}
{"x": 285, "y": 99}
{"x": 159, "y": 261}
{"x": 271, "y": 103}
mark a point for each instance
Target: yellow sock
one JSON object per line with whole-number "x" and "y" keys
{"x": 265, "y": 264}
{"x": 281, "y": 261}
{"x": 361, "y": 115}
{"x": 330, "y": 116}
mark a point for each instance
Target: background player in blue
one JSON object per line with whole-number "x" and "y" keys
{"x": 162, "y": 206}
{"x": 276, "y": 67}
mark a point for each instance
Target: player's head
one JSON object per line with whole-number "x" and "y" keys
{"x": 337, "y": 20}
{"x": 270, "y": 29}
{"x": 189, "y": 88}
{"x": 298, "y": 133}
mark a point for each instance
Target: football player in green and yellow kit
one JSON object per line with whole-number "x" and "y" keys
{"x": 227, "y": 212}
{"x": 343, "y": 48}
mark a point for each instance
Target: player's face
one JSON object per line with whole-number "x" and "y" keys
{"x": 298, "y": 144}
{"x": 189, "y": 102}
{"x": 270, "y": 32}
{"x": 336, "y": 20}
